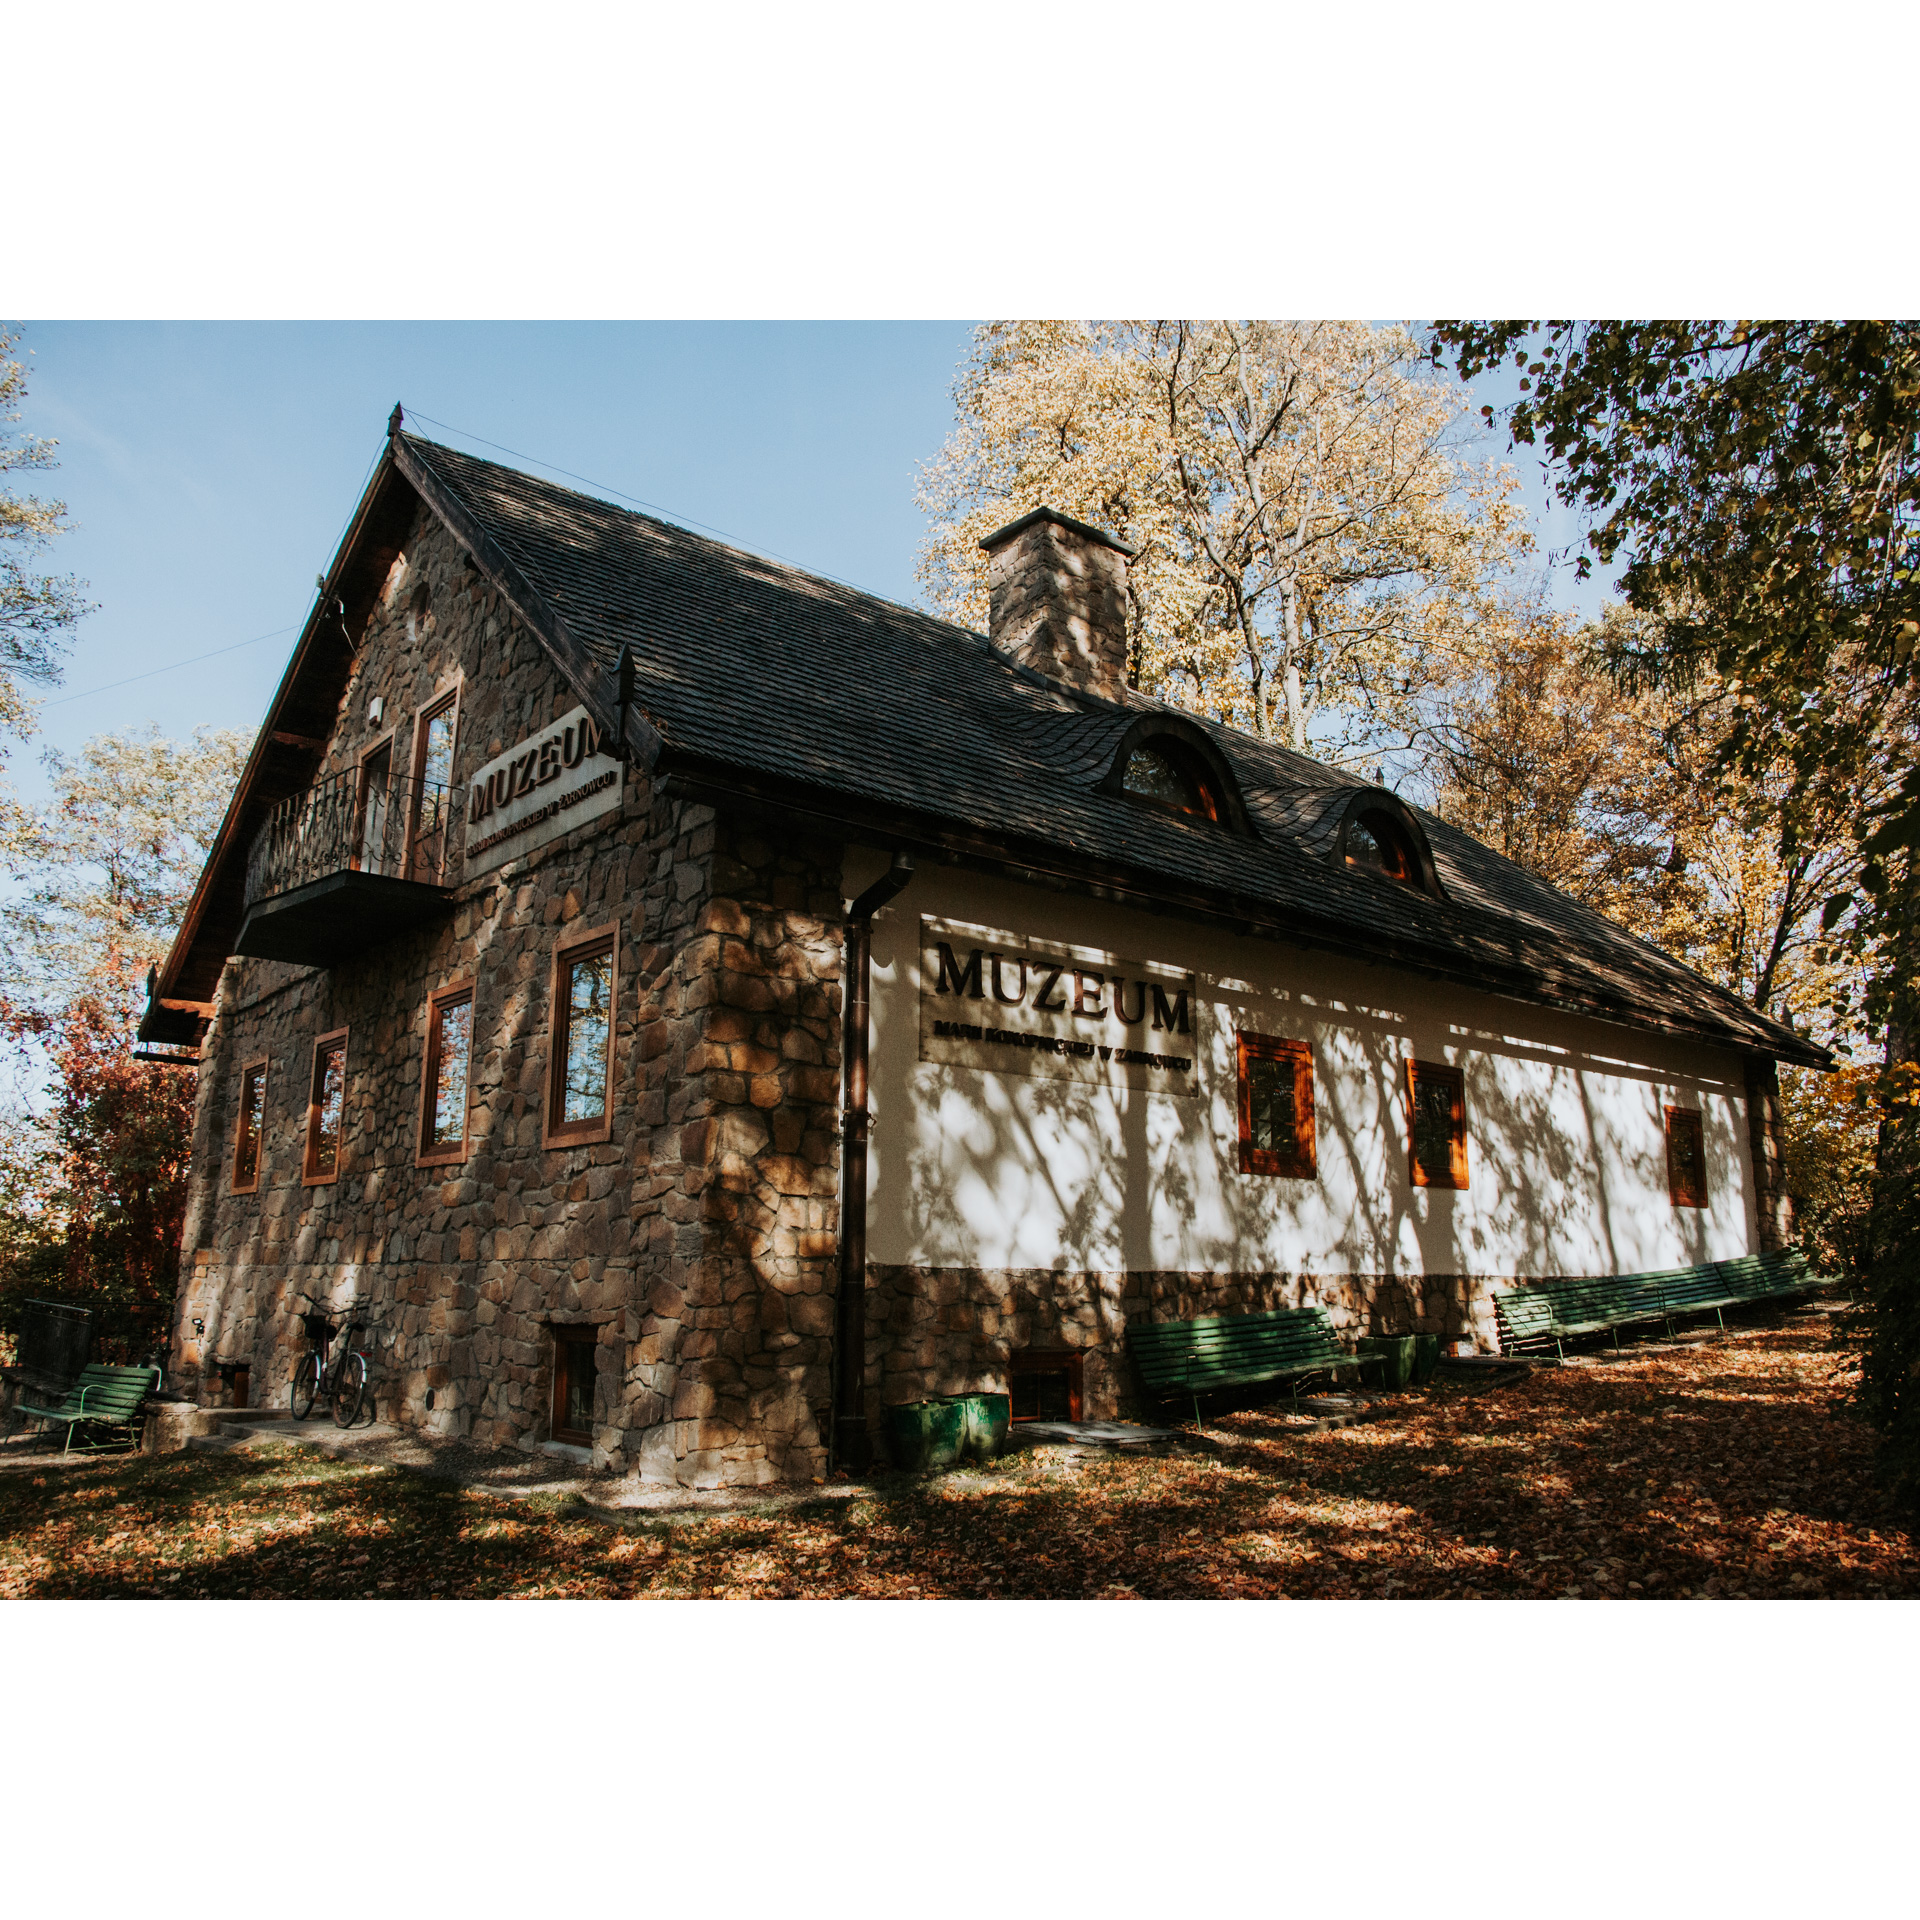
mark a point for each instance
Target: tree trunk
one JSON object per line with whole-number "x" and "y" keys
{"x": 1296, "y": 720}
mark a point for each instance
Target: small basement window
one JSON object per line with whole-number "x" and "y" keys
{"x": 1686, "y": 1157}
{"x": 573, "y": 1374}
{"x": 1044, "y": 1385}
{"x": 1164, "y": 776}
{"x": 1436, "y": 1125}
{"x": 1276, "y": 1106}
{"x": 246, "y": 1134}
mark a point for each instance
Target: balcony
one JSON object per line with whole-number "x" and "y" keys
{"x": 346, "y": 866}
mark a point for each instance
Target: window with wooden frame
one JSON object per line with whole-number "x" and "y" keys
{"x": 326, "y": 1109}
{"x": 1436, "y": 1125}
{"x": 1163, "y": 772}
{"x": 435, "y": 728}
{"x": 373, "y": 831}
{"x": 586, "y": 972}
{"x": 444, "y": 1075}
{"x": 573, "y": 1373}
{"x": 1044, "y": 1384}
{"x": 1686, "y": 1157}
{"x": 249, "y": 1127}
{"x": 1276, "y": 1106}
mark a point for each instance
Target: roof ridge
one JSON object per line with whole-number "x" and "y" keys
{"x": 685, "y": 532}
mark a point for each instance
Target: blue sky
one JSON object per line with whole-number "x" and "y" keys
{"x": 210, "y": 467}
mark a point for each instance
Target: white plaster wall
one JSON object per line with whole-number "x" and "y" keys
{"x": 1567, "y": 1153}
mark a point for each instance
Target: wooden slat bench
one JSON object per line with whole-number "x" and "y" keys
{"x": 1532, "y": 1315}
{"x": 1599, "y": 1306}
{"x": 106, "y": 1397}
{"x": 1235, "y": 1350}
{"x": 1784, "y": 1274}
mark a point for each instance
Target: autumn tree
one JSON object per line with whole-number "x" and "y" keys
{"x": 1618, "y": 796}
{"x": 37, "y": 609}
{"x": 110, "y": 863}
{"x": 1311, "y": 542}
{"x": 113, "y": 856}
{"x": 1758, "y": 485}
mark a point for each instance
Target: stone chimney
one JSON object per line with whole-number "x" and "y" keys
{"x": 1057, "y": 599}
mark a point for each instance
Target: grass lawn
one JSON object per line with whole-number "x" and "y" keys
{"x": 1725, "y": 1469}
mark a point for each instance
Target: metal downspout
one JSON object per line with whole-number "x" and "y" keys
{"x": 852, "y": 1450}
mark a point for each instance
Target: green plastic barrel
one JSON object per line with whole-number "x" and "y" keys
{"x": 988, "y": 1417}
{"x": 1392, "y": 1353}
{"x": 1426, "y": 1357}
{"x": 927, "y": 1434}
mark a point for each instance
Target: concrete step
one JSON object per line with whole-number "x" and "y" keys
{"x": 250, "y": 1416}
{"x": 223, "y": 1442}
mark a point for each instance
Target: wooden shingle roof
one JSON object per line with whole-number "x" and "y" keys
{"x": 762, "y": 684}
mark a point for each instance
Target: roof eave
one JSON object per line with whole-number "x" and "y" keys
{"x": 1044, "y": 864}
{"x": 284, "y": 754}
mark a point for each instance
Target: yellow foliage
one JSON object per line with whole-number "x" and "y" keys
{"x": 1313, "y": 549}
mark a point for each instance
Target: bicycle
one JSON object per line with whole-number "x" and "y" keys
{"x": 343, "y": 1382}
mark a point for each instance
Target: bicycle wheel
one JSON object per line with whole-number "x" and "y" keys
{"x": 347, "y": 1390}
{"x": 306, "y": 1383}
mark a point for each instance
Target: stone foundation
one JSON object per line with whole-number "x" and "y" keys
{"x": 935, "y": 1330}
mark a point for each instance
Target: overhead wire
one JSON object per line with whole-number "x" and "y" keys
{"x": 193, "y": 660}
{"x": 601, "y": 486}
{"x": 171, "y": 666}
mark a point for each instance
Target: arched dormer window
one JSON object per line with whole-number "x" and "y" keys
{"x": 1170, "y": 763}
{"x": 1381, "y": 836}
{"x": 1152, "y": 774}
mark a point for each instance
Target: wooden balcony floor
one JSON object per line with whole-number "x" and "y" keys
{"x": 338, "y": 916}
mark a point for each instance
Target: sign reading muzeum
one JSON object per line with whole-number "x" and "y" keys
{"x": 600, "y": 983}
{"x": 1050, "y": 1009}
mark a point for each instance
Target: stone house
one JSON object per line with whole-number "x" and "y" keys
{"x": 639, "y": 974}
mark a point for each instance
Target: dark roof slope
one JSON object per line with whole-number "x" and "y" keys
{"x": 749, "y": 667}
{"x": 764, "y": 681}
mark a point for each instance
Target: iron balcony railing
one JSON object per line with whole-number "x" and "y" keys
{"x": 353, "y": 824}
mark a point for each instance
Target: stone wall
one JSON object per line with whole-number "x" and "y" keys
{"x": 1773, "y": 1204}
{"x": 697, "y": 1239}
{"x": 726, "y": 1380}
{"x": 934, "y": 1330}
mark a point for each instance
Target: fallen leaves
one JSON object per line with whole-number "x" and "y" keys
{"x": 1722, "y": 1469}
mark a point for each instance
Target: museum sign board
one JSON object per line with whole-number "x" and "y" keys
{"x": 538, "y": 790}
{"x": 1016, "y": 1003}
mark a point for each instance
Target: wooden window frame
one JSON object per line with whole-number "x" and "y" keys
{"x": 322, "y": 1042}
{"x": 1185, "y": 763}
{"x": 444, "y": 1156}
{"x": 1456, "y": 1077}
{"x": 240, "y": 1121}
{"x": 1067, "y": 1360}
{"x": 384, "y": 744}
{"x": 446, "y": 699}
{"x": 582, "y": 946}
{"x": 1699, "y": 1125}
{"x": 563, "y": 1338}
{"x": 1303, "y": 1163}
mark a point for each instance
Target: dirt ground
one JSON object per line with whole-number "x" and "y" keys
{"x": 1728, "y": 1467}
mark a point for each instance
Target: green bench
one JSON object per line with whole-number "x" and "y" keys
{"x": 1531, "y": 1315}
{"x": 1235, "y": 1350}
{"x": 106, "y": 1397}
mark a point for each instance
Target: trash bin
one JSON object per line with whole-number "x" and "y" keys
{"x": 988, "y": 1416}
{"x": 1426, "y": 1357}
{"x": 927, "y": 1434}
{"x": 1392, "y": 1353}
